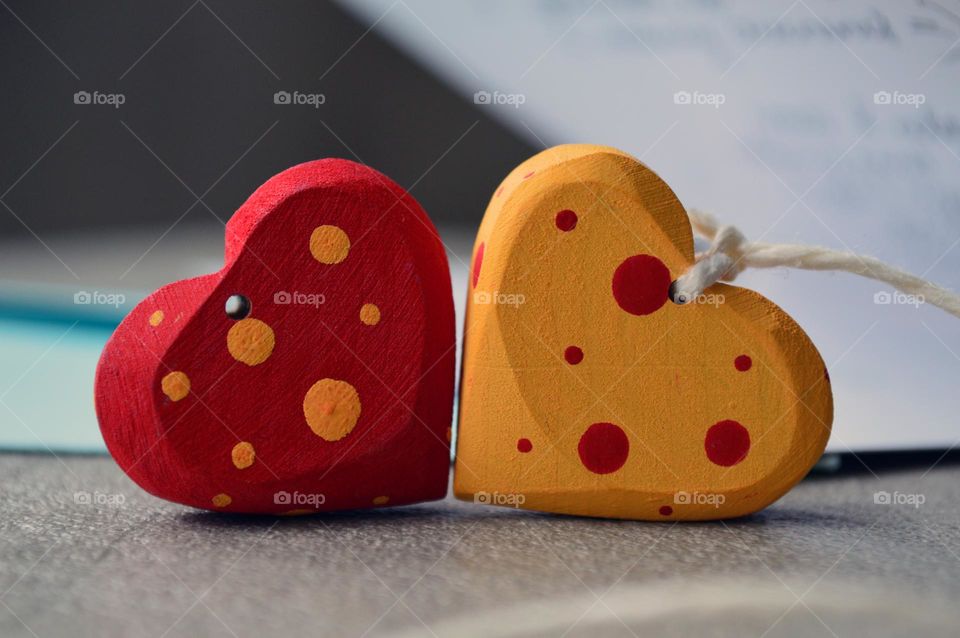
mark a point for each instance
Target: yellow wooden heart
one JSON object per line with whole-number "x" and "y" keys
{"x": 586, "y": 391}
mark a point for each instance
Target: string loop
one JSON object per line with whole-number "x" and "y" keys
{"x": 730, "y": 254}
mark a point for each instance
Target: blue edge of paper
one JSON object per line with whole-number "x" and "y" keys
{"x": 52, "y": 341}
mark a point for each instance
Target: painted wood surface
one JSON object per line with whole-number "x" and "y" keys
{"x": 586, "y": 390}
{"x": 314, "y": 372}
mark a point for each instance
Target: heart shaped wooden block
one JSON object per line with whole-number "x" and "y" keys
{"x": 587, "y": 391}
{"x": 314, "y": 372}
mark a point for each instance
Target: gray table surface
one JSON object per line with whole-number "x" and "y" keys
{"x": 826, "y": 560}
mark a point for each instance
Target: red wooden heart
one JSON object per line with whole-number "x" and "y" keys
{"x": 313, "y": 372}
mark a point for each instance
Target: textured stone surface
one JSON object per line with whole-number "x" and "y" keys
{"x": 148, "y": 568}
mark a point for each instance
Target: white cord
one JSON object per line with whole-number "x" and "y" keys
{"x": 730, "y": 254}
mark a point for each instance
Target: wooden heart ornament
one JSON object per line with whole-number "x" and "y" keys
{"x": 314, "y": 372}
{"x": 586, "y": 390}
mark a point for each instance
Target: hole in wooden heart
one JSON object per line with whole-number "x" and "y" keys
{"x": 674, "y": 296}
{"x": 237, "y": 307}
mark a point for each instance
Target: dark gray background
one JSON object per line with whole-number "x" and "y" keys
{"x": 199, "y": 98}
